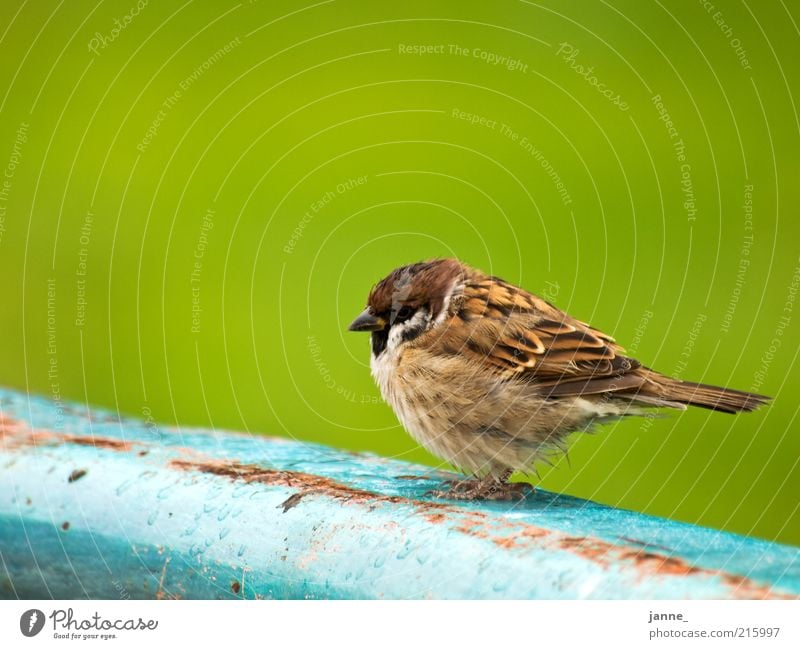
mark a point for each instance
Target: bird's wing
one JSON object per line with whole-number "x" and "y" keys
{"x": 522, "y": 337}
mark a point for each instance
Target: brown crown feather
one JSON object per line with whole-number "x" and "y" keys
{"x": 415, "y": 285}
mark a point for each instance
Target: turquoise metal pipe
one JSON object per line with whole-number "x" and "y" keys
{"x": 94, "y": 506}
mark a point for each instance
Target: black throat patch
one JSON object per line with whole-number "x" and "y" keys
{"x": 379, "y": 341}
{"x": 381, "y": 338}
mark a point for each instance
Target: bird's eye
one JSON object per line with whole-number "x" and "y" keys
{"x": 404, "y": 313}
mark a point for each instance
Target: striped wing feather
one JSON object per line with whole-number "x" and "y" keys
{"x": 524, "y": 337}
{"x": 520, "y": 337}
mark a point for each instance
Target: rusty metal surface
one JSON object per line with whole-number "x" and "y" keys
{"x": 94, "y": 506}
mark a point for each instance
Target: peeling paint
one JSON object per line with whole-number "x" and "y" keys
{"x": 508, "y": 535}
{"x": 291, "y": 501}
{"x": 77, "y": 474}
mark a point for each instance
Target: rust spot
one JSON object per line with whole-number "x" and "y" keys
{"x": 236, "y": 587}
{"x": 142, "y": 453}
{"x": 660, "y": 563}
{"x": 646, "y": 562}
{"x": 606, "y": 554}
{"x": 77, "y": 474}
{"x": 475, "y": 525}
{"x": 98, "y": 442}
{"x": 744, "y": 588}
{"x": 65, "y": 525}
{"x": 17, "y": 434}
{"x": 10, "y": 430}
{"x": 525, "y": 536}
{"x": 436, "y": 518}
{"x": 506, "y": 544}
{"x": 308, "y": 484}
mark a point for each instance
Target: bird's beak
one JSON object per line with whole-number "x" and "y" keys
{"x": 367, "y": 322}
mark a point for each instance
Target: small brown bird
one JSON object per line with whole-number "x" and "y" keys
{"x": 493, "y": 379}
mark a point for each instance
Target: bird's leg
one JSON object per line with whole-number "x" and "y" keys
{"x": 454, "y": 487}
{"x": 502, "y": 489}
{"x": 488, "y": 488}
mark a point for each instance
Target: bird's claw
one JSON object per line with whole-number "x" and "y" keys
{"x": 468, "y": 490}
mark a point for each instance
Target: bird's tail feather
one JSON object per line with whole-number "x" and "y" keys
{"x": 707, "y": 396}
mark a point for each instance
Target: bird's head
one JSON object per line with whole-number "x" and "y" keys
{"x": 408, "y": 302}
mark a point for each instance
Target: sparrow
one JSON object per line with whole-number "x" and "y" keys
{"x": 493, "y": 379}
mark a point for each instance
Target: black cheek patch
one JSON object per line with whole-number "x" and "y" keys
{"x": 379, "y": 341}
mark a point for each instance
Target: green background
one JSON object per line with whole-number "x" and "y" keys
{"x": 306, "y": 98}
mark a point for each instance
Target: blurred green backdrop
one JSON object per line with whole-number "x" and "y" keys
{"x": 197, "y": 197}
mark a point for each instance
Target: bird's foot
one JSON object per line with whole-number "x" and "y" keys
{"x": 489, "y": 488}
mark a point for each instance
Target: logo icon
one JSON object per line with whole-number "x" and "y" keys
{"x": 31, "y": 622}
